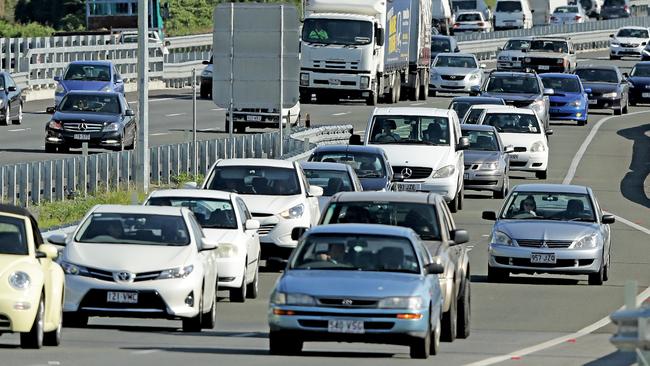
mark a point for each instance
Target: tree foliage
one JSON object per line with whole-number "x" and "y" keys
{"x": 11, "y": 30}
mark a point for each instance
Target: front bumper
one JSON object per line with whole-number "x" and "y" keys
{"x": 568, "y": 261}
{"x": 275, "y": 234}
{"x": 342, "y": 85}
{"x": 446, "y": 187}
{"x": 12, "y": 318}
{"x": 569, "y": 113}
{"x": 483, "y": 180}
{"x": 231, "y": 271}
{"x": 604, "y": 103}
{"x": 509, "y": 65}
{"x": 529, "y": 161}
{"x": 626, "y": 51}
{"x": 101, "y": 140}
{"x": 560, "y": 68}
{"x": 459, "y": 86}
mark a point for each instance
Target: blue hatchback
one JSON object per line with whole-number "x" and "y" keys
{"x": 569, "y": 100}
{"x": 90, "y": 76}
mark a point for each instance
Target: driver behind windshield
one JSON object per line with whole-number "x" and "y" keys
{"x": 387, "y": 134}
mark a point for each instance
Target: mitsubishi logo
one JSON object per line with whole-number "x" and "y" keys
{"x": 346, "y": 302}
{"x": 407, "y": 172}
{"x": 544, "y": 245}
{"x": 123, "y": 276}
{"x": 82, "y": 127}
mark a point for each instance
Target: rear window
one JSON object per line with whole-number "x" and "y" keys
{"x": 614, "y": 3}
{"x": 512, "y": 122}
{"x": 474, "y": 17}
{"x": 509, "y": 6}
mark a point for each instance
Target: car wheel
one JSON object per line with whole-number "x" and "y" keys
{"x": 239, "y": 294}
{"x": 501, "y": 193}
{"x": 597, "y": 279}
{"x": 75, "y": 320}
{"x": 461, "y": 198}
{"x": 432, "y": 93}
{"x": 435, "y": 339}
{"x": 541, "y": 174}
{"x": 53, "y": 338}
{"x": 7, "y": 115}
{"x": 449, "y": 321}
{"x": 254, "y": 287}
{"x": 50, "y": 148}
{"x": 625, "y": 108}
{"x": 210, "y": 318}
{"x": 19, "y": 117}
{"x": 193, "y": 324}
{"x": 373, "y": 98}
{"x": 453, "y": 204}
{"x": 618, "y": 112}
{"x": 497, "y": 274}
{"x": 581, "y": 123}
{"x": 420, "y": 347}
{"x": 464, "y": 310}
{"x": 34, "y": 338}
{"x": 612, "y": 57}
{"x": 239, "y": 129}
{"x": 63, "y": 149}
{"x": 279, "y": 344}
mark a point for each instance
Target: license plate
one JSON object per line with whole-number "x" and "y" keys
{"x": 514, "y": 156}
{"x": 544, "y": 67}
{"x": 555, "y": 110}
{"x": 593, "y": 101}
{"x": 542, "y": 258}
{"x": 466, "y": 176}
{"x": 335, "y": 82}
{"x": 82, "y": 136}
{"x": 645, "y": 95}
{"x": 254, "y": 118}
{"x": 452, "y": 83}
{"x": 122, "y": 297}
{"x": 345, "y": 326}
{"x": 408, "y": 187}
{"x": 516, "y": 64}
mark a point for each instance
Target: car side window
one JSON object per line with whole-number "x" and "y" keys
{"x": 10, "y": 81}
{"x": 447, "y": 219}
{"x": 305, "y": 182}
{"x": 243, "y": 210}
{"x": 116, "y": 75}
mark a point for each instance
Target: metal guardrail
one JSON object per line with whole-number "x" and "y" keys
{"x": 46, "y": 181}
{"x": 633, "y": 322}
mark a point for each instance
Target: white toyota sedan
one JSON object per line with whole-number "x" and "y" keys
{"x": 226, "y": 220}
{"x": 139, "y": 261}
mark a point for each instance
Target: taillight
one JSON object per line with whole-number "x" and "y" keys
{"x": 456, "y": 25}
{"x": 578, "y": 17}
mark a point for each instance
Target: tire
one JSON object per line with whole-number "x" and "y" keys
{"x": 134, "y": 142}
{"x": 373, "y": 99}
{"x": 461, "y": 198}
{"x": 19, "y": 118}
{"x": 541, "y": 174}
{"x": 581, "y": 123}
{"x": 75, "y": 320}
{"x": 449, "y": 322}
{"x": 205, "y": 93}
{"x": 497, "y": 275}
{"x": 453, "y": 204}
{"x": 618, "y": 112}
{"x": 253, "y": 290}
{"x": 53, "y": 338}
{"x": 209, "y": 320}
{"x": 239, "y": 294}
{"x": 432, "y": 93}
{"x": 612, "y": 57}
{"x": 423, "y": 89}
{"x": 7, "y": 119}
{"x": 464, "y": 310}
{"x": 50, "y": 148}
{"x": 421, "y": 347}
{"x": 281, "y": 345}
{"x": 500, "y": 194}
{"x": 597, "y": 279}
{"x": 625, "y": 108}
{"x": 194, "y": 323}
{"x": 415, "y": 91}
{"x": 239, "y": 128}
{"x": 34, "y": 338}
{"x": 435, "y": 339}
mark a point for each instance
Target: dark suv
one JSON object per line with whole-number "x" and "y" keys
{"x": 519, "y": 89}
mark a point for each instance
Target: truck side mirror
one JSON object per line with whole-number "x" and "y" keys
{"x": 379, "y": 33}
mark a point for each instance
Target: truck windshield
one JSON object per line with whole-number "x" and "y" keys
{"x": 464, "y": 5}
{"x": 410, "y": 130}
{"x": 337, "y": 31}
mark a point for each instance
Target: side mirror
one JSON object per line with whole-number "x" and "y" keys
{"x": 475, "y": 90}
{"x": 297, "y": 232}
{"x": 549, "y": 91}
{"x": 206, "y": 62}
{"x": 509, "y": 149}
{"x": 489, "y": 215}
{"x": 190, "y": 185}
{"x": 11, "y": 88}
{"x": 625, "y": 75}
{"x": 608, "y": 219}
{"x": 499, "y": 49}
{"x": 588, "y": 90}
{"x": 208, "y": 245}
{"x": 457, "y": 50}
{"x": 57, "y": 239}
{"x": 398, "y": 177}
{"x": 380, "y": 37}
{"x": 50, "y": 110}
{"x": 129, "y": 112}
{"x": 463, "y": 143}
{"x": 251, "y": 225}
{"x": 483, "y": 66}
{"x": 119, "y": 81}
{"x": 549, "y": 132}
{"x": 355, "y": 140}
{"x": 47, "y": 251}
{"x": 315, "y": 191}
{"x": 460, "y": 236}
{"x": 434, "y": 268}
{"x": 57, "y": 78}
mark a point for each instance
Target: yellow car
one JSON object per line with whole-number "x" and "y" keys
{"x": 31, "y": 283}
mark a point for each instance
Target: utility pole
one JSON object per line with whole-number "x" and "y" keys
{"x": 142, "y": 154}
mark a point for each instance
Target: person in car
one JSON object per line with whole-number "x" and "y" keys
{"x": 335, "y": 254}
{"x": 387, "y": 134}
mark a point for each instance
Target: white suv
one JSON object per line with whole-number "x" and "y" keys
{"x": 278, "y": 196}
{"x": 425, "y": 147}
{"x": 628, "y": 41}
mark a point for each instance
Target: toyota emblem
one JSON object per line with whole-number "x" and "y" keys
{"x": 407, "y": 172}
{"x": 124, "y": 276}
{"x": 82, "y": 127}
{"x": 346, "y": 302}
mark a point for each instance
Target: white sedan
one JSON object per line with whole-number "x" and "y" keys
{"x": 226, "y": 220}
{"x": 137, "y": 261}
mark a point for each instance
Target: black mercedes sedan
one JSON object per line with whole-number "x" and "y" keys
{"x": 609, "y": 87}
{"x": 640, "y": 83}
{"x": 101, "y": 119}
{"x": 11, "y": 100}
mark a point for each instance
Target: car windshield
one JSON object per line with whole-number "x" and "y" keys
{"x": 125, "y": 228}
{"x": 564, "y": 85}
{"x": 473, "y": 115}
{"x": 469, "y": 17}
{"x": 13, "y": 238}
{"x": 461, "y": 108}
{"x": 439, "y": 45}
{"x": 566, "y": 9}
{"x": 482, "y": 140}
{"x": 539, "y": 45}
{"x": 337, "y": 31}
{"x": 549, "y": 206}
{"x": 516, "y": 45}
{"x": 332, "y": 181}
{"x": 455, "y": 61}
{"x": 409, "y": 130}
{"x": 356, "y": 253}
{"x": 641, "y": 71}
{"x": 256, "y": 180}
{"x": 464, "y": 4}
{"x": 88, "y": 72}
{"x": 614, "y": 3}
{"x": 512, "y": 84}
{"x": 209, "y": 212}
{"x": 365, "y": 165}
{"x": 90, "y": 103}
{"x": 632, "y": 33}
{"x": 508, "y": 6}
{"x": 420, "y": 217}
{"x": 597, "y": 75}
{"x": 512, "y": 122}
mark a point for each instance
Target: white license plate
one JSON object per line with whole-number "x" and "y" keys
{"x": 335, "y": 82}
{"x": 345, "y": 326}
{"x": 408, "y": 187}
{"x": 593, "y": 101}
{"x": 645, "y": 95}
{"x": 544, "y": 67}
{"x": 122, "y": 297}
{"x": 254, "y": 118}
{"x": 466, "y": 176}
{"x": 452, "y": 83}
{"x": 82, "y": 136}
{"x": 542, "y": 258}
{"x": 516, "y": 63}
{"x": 514, "y": 156}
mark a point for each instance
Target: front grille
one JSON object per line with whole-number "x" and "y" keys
{"x": 87, "y": 127}
{"x": 519, "y": 103}
{"x": 103, "y": 275}
{"x": 146, "y": 300}
{"x": 525, "y": 262}
{"x": 517, "y": 163}
{"x": 347, "y": 303}
{"x": 534, "y": 243}
{"x": 471, "y": 166}
{"x": 417, "y": 172}
{"x": 544, "y": 61}
{"x": 341, "y": 82}
{"x": 472, "y": 182}
{"x": 557, "y": 104}
{"x": 265, "y": 229}
{"x": 452, "y": 77}
{"x": 336, "y": 64}
{"x": 630, "y": 45}
{"x": 309, "y": 323}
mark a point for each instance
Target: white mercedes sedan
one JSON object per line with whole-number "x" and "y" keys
{"x": 226, "y": 220}
{"x": 142, "y": 262}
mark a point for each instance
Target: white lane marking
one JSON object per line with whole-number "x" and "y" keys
{"x": 631, "y": 224}
{"x": 53, "y": 362}
{"x": 159, "y": 99}
{"x": 218, "y": 109}
{"x": 159, "y": 134}
{"x": 19, "y": 129}
{"x": 144, "y": 351}
{"x": 416, "y": 104}
{"x": 340, "y": 114}
{"x": 583, "y": 148}
{"x": 174, "y": 114}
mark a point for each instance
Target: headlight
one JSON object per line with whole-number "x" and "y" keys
{"x": 559, "y": 61}
{"x": 527, "y": 60}
{"x": 500, "y": 238}
{"x": 294, "y": 212}
{"x": 576, "y": 103}
{"x": 304, "y": 79}
{"x": 278, "y": 298}
{"x": 180, "y": 272}
{"x": 434, "y": 75}
{"x": 588, "y": 241}
{"x": 281, "y": 298}
{"x": 615, "y": 44}
{"x": 411, "y": 303}
{"x": 489, "y": 166}
{"x": 444, "y": 172}
{"x": 206, "y": 73}
{"x": 73, "y": 269}
{"x": 107, "y": 88}
{"x": 227, "y": 250}
{"x": 537, "y": 106}
{"x": 59, "y": 89}
{"x": 610, "y": 95}
{"x": 112, "y": 127}
{"x": 55, "y": 125}
{"x": 474, "y": 76}
{"x": 504, "y": 58}
{"x": 19, "y": 280}
{"x": 364, "y": 82}
{"x": 538, "y": 146}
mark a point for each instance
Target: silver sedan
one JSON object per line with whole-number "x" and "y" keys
{"x": 455, "y": 73}
{"x": 486, "y": 160}
{"x": 550, "y": 228}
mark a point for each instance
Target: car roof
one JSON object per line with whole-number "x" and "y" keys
{"x": 256, "y": 162}
{"x": 14, "y": 210}
{"x": 513, "y": 73}
{"x": 93, "y": 92}
{"x": 506, "y": 108}
{"x": 472, "y": 127}
{"x": 350, "y": 149}
{"x": 412, "y": 111}
{"x": 484, "y": 106}
{"x": 92, "y": 62}
{"x": 471, "y": 99}
{"x": 557, "y": 75}
{"x": 144, "y": 210}
{"x": 367, "y": 229}
{"x": 457, "y": 54}
{"x": 317, "y": 165}
{"x": 193, "y": 193}
{"x": 371, "y": 196}
{"x": 632, "y": 27}
{"x": 597, "y": 67}
{"x": 642, "y": 63}
{"x": 551, "y": 188}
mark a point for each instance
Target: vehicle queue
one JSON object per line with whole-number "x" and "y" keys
{"x": 376, "y": 218}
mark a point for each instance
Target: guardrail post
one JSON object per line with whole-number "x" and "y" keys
{"x": 185, "y": 158}
{"x": 154, "y": 160}
{"x": 82, "y": 175}
{"x": 47, "y": 180}
{"x": 71, "y": 177}
{"x": 203, "y": 157}
{"x": 212, "y": 153}
{"x": 35, "y": 173}
{"x": 174, "y": 160}
{"x": 59, "y": 182}
{"x": 114, "y": 171}
{"x": 165, "y": 162}
{"x": 11, "y": 180}
{"x": 2, "y": 184}
{"x": 91, "y": 168}
{"x": 23, "y": 185}
{"x": 125, "y": 168}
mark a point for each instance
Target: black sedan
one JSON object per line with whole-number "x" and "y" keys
{"x": 609, "y": 87}
{"x": 11, "y": 100}
{"x": 101, "y": 119}
{"x": 640, "y": 83}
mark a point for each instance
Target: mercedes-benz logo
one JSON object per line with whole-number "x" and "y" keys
{"x": 346, "y": 302}
{"x": 407, "y": 172}
{"x": 124, "y": 276}
{"x": 82, "y": 127}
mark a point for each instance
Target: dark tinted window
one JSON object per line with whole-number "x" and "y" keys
{"x": 440, "y": 45}
{"x": 471, "y": 17}
{"x": 508, "y": 6}
{"x": 88, "y": 72}
{"x": 255, "y": 180}
{"x": 482, "y": 140}
{"x": 631, "y": 32}
{"x": 566, "y": 85}
{"x": 13, "y": 238}
{"x": 145, "y": 229}
{"x": 407, "y": 130}
{"x": 597, "y": 75}
{"x": 641, "y": 70}
{"x": 91, "y": 103}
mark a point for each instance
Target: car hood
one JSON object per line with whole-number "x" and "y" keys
{"x": 417, "y": 155}
{"x": 84, "y": 85}
{"x": 86, "y": 117}
{"x": 547, "y": 230}
{"x": 10, "y": 263}
{"x": 564, "y": 97}
{"x": 357, "y": 283}
{"x": 373, "y": 184}
{"x": 640, "y": 80}
{"x": 520, "y": 139}
{"x": 600, "y": 87}
{"x": 545, "y": 54}
{"x": 455, "y": 70}
{"x": 477, "y": 156}
{"x": 511, "y": 53}
{"x": 127, "y": 257}
{"x": 628, "y": 40}
{"x": 510, "y": 97}
{"x": 271, "y": 204}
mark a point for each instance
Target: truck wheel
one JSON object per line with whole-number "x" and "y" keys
{"x": 423, "y": 88}
{"x": 392, "y": 97}
{"x": 415, "y": 92}
{"x": 399, "y": 89}
{"x": 373, "y": 98}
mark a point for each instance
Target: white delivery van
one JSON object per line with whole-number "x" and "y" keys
{"x": 512, "y": 14}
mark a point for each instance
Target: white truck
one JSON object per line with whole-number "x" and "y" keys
{"x": 367, "y": 49}
{"x": 542, "y": 10}
{"x": 443, "y": 16}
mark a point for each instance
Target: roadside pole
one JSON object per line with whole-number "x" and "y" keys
{"x": 232, "y": 78}
{"x": 282, "y": 80}
{"x": 195, "y": 157}
{"x": 142, "y": 154}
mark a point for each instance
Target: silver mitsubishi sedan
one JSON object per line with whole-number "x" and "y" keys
{"x": 550, "y": 228}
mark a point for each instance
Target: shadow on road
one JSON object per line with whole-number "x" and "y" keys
{"x": 134, "y": 328}
{"x": 565, "y": 124}
{"x": 615, "y": 358}
{"x": 529, "y": 280}
{"x": 632, "y": 185}
{"x": 259, "y": 352}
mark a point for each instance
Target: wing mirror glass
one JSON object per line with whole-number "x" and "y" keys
{"x": 435, "y": 268}
{"x": 380, "y": 36}
{"x": 475, "y": 90}
{"x": 355, "y": 140}
{"x": 460, "y": 236}
{"x": 297, "y": 232}
{"x": 57, "y": 239}
{"x": 509, "y": 149}
{"x": 608, "y": 219}
{"x": 489, "y": 215}
{"x": 315, "y": 191}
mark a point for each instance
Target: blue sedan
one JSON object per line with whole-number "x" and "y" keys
{"x": 569, "y": 100}
{"x": 90, "y": 76}
{"x": 391, "y": 293}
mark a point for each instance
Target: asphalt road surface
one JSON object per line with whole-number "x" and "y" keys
{"x": 532, "y": 320}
